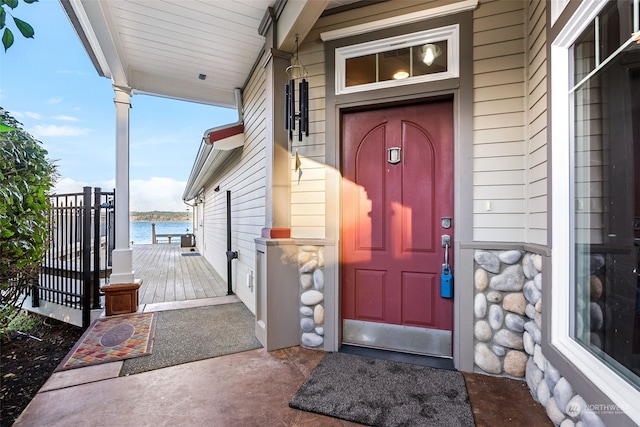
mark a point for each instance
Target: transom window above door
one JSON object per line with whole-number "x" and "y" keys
{"x": 407, "y": 59}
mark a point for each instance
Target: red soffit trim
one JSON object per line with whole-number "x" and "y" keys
{"x": 224, "y": 133}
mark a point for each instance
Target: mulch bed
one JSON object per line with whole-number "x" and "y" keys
{"x": 26, "y": 363}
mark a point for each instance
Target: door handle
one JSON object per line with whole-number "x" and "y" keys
{"x": 446, "y": 243}
{"x": 446, "y": 279}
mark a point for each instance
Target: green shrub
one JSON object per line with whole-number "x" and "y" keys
{"x": 24, "y": 322}
{"x": 26, "y": 176}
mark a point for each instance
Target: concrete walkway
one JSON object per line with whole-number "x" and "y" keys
{"x": 251, "y": 388}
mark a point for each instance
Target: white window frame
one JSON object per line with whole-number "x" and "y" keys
{"x": 623, "y": 394}
{"x": 450, "y": 34}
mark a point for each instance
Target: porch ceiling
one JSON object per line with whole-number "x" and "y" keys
{"x": 162, "y": 47}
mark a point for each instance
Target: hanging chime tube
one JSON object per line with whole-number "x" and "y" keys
{"x": 304, "y": 109}
{"x": 301, "y": 110}
{"x": 292, "y": 105}
{"x": 286, "y": 106}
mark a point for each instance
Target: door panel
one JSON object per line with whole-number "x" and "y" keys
{"x": 370, "y": 174}
{"x": 417, "y": 173}
{"x": 370, "y": 287}
{"x": 391, "y": 248}
{"x": 419, "y": 291}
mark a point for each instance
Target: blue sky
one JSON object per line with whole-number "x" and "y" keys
{"x": 49, "y": 84}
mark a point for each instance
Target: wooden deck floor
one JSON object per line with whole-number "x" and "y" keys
{"x": 169, "y": 276}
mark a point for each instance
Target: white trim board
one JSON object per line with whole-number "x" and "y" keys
{"x": 408, "y": 18}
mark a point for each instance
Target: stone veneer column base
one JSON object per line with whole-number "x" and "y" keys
{"x": 508, "y": 333}
{"x": 311, "y": 263}
{"x": 121, "y": 298}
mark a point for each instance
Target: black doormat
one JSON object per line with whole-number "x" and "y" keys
{"x": 190, "y": 254}
{"x": 385, "y": 393}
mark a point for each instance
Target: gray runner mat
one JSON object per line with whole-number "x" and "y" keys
{"x": 192, "y": 334}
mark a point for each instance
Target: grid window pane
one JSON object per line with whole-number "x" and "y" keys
{"x": 361, "y": 70}
{"x": 394, "y": 64}
{"x": 398, "y": 64}
{"x": 584, "y": 52}
{"x": 430, "y": 58}
{"x": 606, "y": 183}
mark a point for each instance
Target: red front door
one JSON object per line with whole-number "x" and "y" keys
{"x": 397, "y": 188}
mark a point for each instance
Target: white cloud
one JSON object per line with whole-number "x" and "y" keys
{"x": 54, "y": 100}
{"x": 67, "y": 185}
{"x": 154, "y": 194}
{"x": 53, "y": 130}
{"x": 33, "y": 115}
{"x": 70, "y": 185}
{"x": 66, "y": 118}
{"x": 157, "y": 194}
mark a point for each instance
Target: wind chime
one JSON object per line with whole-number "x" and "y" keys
{"x": 297, "y": 73}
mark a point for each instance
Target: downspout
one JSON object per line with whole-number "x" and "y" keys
{"x": 197, "y": 179}
{"x": 231, "y": 255}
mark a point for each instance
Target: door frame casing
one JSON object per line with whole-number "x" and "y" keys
{"x": 461, "y": 90}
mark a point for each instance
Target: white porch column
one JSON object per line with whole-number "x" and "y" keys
{"x": 122, "y": 269}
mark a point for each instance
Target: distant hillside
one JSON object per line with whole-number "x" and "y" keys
{"x": 160, "y": 216}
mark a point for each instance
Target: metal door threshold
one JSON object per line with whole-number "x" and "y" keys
{"x": 407, "y": 339}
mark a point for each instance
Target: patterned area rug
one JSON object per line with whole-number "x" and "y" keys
{"x": 112, "y": 338}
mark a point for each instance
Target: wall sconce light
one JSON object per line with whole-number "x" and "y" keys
{"x": 429, "y": 53}
{"x": 297, "y": 72}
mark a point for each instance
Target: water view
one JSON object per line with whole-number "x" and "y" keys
{"x": 141, "y": 230}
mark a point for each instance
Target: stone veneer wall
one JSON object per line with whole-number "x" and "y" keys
{"x": 311, "y": 263}
{"x": 507, "y": 330}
